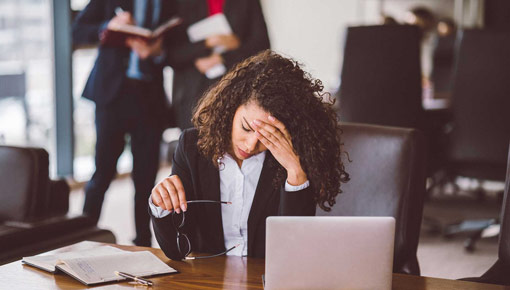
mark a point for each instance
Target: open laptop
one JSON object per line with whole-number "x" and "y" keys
{"x": 329, "y": 252}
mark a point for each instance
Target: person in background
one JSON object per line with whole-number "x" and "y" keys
{"x": 425, "y": 19}
{"x": 446, "y": 27}
{"x": 388, "y": 20}
{"x": 264, "y": 140}
{"x": 126, "y": 85}
{"x": 191, "y": 61}
{"x": 443, "y": 58}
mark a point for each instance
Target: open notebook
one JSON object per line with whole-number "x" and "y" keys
{"x": 117, "y": 35}
{"x": 98, "y": 265}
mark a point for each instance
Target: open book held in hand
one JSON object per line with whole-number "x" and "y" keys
{"x": 98, "y": 265}
{"x": 117, "y": 34}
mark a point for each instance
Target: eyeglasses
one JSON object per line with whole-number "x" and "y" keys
{"x": 183, "y": 242}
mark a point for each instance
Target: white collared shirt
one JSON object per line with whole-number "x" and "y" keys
{"x": 238, "y": 186}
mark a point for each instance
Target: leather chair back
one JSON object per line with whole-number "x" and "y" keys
{"x": 480, "y": 102}
{"x": 387, "y": 179}
{"x": 24, "y": 180}
{"x": 26, "y": 192}
{"x": 381, "y": 76}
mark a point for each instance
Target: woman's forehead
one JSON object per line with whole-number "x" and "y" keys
{"x": 252, "y": 111}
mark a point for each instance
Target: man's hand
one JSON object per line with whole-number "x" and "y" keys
{"x": 226, "y": 41}
{"x": 145, "y": 49}
{"x": 121, "y": 19}
{"x": 205, "y": 63}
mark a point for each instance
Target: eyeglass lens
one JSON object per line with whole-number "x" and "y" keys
{"x": 183, "y": 242}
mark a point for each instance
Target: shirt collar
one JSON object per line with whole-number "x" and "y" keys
{"x": 254, "y": 159}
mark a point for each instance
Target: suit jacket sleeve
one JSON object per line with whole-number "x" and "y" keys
{"x": 180, "y": 52}
{"x": 297, "y": 203}
{"x": 163, "y": 228}
{"x": 89, "y": 23}
{"x": 254, "y": 40}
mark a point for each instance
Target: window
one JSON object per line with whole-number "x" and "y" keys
{"x": 26, "y": 74}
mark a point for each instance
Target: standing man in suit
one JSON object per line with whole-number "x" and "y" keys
{"x": 190, "y": 61}
{"x": 126, "y": 85}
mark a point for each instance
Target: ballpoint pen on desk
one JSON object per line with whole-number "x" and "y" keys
{"x": 135, "y": 278}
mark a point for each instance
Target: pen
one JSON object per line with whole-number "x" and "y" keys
{"x": 134, "y": 278}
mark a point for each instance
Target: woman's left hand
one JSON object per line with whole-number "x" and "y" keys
{"x": 273, "y": 134}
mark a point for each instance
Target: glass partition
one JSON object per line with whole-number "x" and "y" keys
{"x": 26, "y": 74}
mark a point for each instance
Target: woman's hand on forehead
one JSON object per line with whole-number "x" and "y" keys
{"x": 275, "y": 136}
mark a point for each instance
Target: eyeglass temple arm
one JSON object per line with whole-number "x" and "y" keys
{"x": 212, "y": 256}
{"x": 209, "y": 201}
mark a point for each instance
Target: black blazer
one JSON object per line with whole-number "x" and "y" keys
{"x": 203, "y": 225}
{"x": 247, "y": 22}
{"x": 109, "y": 72}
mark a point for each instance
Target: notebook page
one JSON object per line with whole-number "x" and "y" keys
{"x": 48, "y": 262}
{"x": 212, "y": 25}
{"x": 100, "y": 269}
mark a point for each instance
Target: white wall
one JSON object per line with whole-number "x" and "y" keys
{"x": 312, "y": 31}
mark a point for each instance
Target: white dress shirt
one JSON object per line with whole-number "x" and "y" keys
{"x": 238, "y": 186}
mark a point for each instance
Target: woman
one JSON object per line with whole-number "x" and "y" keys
{"x": 265, "y": 142}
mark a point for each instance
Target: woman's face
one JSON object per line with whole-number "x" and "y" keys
{"x": 244, "y": 141}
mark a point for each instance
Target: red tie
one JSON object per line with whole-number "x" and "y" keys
{"x": 215, "y": 6}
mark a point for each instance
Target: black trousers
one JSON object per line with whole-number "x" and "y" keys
{"x": 136, "y": 112}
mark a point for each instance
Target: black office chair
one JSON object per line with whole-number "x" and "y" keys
{"x": 480, "y": 102}
{"x": 381, "y": 76}
{"x": 387, "y": 179}
{"x": 499, "y": 272}
{"x": 481, "y": 122}
{"x": 381, "y": 83}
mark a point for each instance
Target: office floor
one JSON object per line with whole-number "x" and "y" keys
{"x": 438, "y": 257}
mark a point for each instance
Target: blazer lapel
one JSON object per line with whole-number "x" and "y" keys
{"x": 210, "y": 189}
{"x": 230, "y": 9}
{"x": 263, "y": 194}
{"x": 166, "y": 11}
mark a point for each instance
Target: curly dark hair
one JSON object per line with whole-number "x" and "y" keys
{"x": 281, "y": 88}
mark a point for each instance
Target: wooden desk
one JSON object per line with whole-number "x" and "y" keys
{"x": 222, "y": 272}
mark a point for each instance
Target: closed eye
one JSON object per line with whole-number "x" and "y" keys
{"x": 245, "y": 129}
